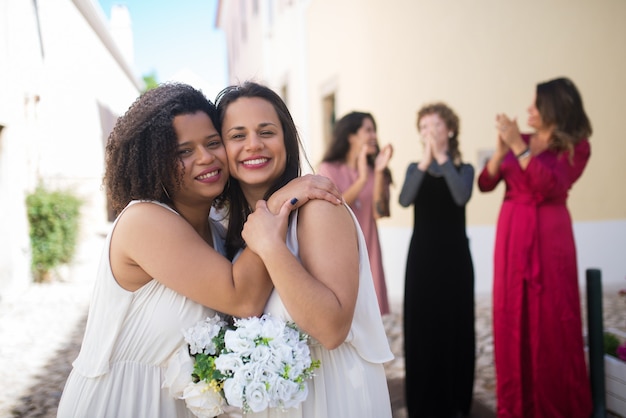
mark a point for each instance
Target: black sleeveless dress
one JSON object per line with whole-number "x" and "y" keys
{"x": 439, "y": 336}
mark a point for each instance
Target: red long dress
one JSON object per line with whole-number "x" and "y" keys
{"x": 539, "y": 352}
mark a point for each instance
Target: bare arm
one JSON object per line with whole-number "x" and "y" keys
{"x": 351, "y": 194}
{"x": 320, "y": 292}
{"x": 151, "y": 242}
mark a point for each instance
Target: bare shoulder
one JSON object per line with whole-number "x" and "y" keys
{"x": 324, "y": 215}
{"x": 146, "y": 216}
{"x": 140, "y": 210}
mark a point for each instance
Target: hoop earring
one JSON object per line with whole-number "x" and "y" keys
{"x": 166, "y": 193}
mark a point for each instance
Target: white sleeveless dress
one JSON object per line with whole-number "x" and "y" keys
{"x": 351, "y": 381}
{"x": 129, "y": 338}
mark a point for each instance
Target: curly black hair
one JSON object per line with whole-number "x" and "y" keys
{"x": 142, "y": 161}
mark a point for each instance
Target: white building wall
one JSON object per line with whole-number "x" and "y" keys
{"x": 63, "y": 82}
{"x": 20, "y": 80}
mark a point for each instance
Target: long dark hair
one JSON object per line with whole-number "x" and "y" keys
{"x": 142, "y": 160}
{"x": 238, "y": 206}
{"x": 339, "y": 147}
{"x": 559, "y": 103}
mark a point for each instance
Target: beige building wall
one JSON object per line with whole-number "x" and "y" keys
{"x": 481, "y": 57}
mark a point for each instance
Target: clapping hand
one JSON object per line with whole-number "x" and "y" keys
{"x": 439, "y": 147}
{"x": 383, "y": 157}
{"x": 508, "y": 130}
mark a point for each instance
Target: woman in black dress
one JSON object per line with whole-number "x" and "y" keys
{"x": 439, "y": 337}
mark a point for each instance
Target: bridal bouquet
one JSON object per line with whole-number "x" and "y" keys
{"x": 254, "y": 364}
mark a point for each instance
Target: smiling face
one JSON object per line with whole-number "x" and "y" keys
{"x": 254, "y": 140}
{"x": 203, "y": 157}
{"x": 535, "y": 120}
{"x": 365, "y": 135}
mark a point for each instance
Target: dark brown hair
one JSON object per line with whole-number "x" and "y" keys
{"x": 339, "y": 147}
{"x": 560, "y": 105}
{"x": 239, "y": 209}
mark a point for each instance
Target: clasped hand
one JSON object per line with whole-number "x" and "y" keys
{"x": 508, "y": 131}
{"x": 435, "y": 147}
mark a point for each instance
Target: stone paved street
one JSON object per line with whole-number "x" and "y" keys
{"x": 41, "y": 328}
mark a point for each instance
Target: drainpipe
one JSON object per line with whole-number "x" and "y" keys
{"x": 595, "y": 332}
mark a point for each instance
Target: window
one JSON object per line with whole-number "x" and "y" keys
{"x": 328, "y": 115}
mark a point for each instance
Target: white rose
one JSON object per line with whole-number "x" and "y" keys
{"x": 257, "y": 397}
{"x": 249, "y": 328}
{"x": 178, "y": 372}
{"x": 288, "y": 394}
{"x": 261, "y": 354}
{"x": 272, "y": 327}
{"x": 202, "y": 400}
{"x": 233, "y": 390}
{"x": 228, "y": 363}
{"x": 284, "y": 354}
{"x": 274, "y": 362}
{"x": 236, "y": 341}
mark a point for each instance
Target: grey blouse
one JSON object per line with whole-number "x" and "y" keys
{"x": 459, "y": 182}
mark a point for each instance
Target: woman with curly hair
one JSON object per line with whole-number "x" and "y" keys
{"x": 439, "y": 339}
{"x": 162, "y": 268}
{"x": 537, "y": 325}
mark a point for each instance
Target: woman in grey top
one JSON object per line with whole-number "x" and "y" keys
{"x": 439, "y": 340}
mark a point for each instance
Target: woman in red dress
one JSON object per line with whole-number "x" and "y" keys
{"x": 539, "y": 353}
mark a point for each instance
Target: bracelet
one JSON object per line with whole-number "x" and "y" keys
{"x": 523, "y": 154}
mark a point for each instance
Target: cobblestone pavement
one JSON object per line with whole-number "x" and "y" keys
{"x": 41, "y": 328}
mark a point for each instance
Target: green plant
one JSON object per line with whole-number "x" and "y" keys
{"x": 53, "y": 216}
{"x": 611, "y": 342}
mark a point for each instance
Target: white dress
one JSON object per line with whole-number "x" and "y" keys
{"x": 128, "y": 341}
{"x": 351, "y": 380}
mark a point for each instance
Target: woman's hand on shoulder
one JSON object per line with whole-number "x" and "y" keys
{"x": 305, "y": 188}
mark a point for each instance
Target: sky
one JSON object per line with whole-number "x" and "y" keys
{"x": 177, "y": 40}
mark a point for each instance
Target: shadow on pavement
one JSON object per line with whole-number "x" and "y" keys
{"x": 42, "y": 398}
{"x": 398, "y": 406}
